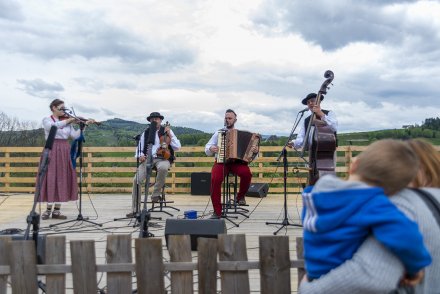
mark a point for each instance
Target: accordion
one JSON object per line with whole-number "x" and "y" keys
{"x": 236, "y": 145}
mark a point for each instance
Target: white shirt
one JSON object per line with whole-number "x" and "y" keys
{"x": 175, "y": 144}
{"x": 212, "y": 142}
{"x": 64, "y": 130}
{"x": 329, "y": 118}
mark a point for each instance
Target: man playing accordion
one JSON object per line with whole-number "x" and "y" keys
{"x": 236, "y": 166}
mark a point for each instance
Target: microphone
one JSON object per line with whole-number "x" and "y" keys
{"x": 304, "y": 110}
{"x": 51, "y": 137}
{"x": 152, "y": 133}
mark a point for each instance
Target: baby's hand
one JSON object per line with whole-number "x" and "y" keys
{"x": 413, "y": 280}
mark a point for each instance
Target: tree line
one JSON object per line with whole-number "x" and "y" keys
{"x": 117, "y": 132}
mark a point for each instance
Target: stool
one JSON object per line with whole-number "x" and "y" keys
{"x": 231, "y": 204}
{"x": 160, "y": 205}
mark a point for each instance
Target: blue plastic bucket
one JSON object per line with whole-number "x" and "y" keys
{"x": 190, "y": 214}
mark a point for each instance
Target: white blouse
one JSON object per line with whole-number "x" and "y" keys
{"x": 64, "y": 130}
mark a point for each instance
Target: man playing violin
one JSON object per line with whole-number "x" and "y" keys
{"x": 162, "y": 159}
{"x": 323, "y": 117}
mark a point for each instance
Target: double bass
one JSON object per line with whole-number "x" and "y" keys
{"x": 322, "y": 145}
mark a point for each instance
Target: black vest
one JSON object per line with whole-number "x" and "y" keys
{"x": 161, "y": 134}
{"x": 307, "y": 120}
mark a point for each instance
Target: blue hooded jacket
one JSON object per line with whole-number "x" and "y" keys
{"x": 339, "y": 215}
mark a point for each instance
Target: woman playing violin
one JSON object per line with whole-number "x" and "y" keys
{"x": 59, "y": 184}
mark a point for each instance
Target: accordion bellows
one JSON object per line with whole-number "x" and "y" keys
{"x": 236, "y": 145}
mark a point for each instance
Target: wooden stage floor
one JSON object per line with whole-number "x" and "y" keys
{"x": 103, "y": 208}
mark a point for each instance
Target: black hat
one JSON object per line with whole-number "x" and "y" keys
{"x": 154, "y": 114}
{"x": 311, "y": 96}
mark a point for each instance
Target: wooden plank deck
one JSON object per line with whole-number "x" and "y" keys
{"x": 103, "y": 208}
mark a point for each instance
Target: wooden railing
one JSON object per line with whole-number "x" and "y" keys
{"x": 227, "y": 255}
{"x": 111, "y": 169}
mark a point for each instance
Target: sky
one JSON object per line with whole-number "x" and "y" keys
{"x": 192, "y": 60}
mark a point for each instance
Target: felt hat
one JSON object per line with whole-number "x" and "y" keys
{"x": 154, "y": 114}
{"x": 311, "y": 96}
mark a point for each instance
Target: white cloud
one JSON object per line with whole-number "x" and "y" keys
{"x": 193, "y": 60}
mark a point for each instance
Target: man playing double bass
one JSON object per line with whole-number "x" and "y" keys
{"x": 322, "y": 118}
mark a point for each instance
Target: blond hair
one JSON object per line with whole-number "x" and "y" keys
{"x": 388, "y": 163}
{"x": 429, "y": 169}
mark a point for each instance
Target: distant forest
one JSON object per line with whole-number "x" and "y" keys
{"x": 118, "y": 132}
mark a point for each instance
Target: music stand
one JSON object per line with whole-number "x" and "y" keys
{"x": 80, "y": 217}
{"x": 285, "y": 222}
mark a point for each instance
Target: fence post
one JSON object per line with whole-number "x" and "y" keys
{"x": 300, "y": 256}
{"x": 23, "y": 264}
{"x": 180, "y": 250}
{"x": 274, "y": 264}
{"x": 7, "y": 173}
{"x": 233, "y": 248}
{"x": 207, "y": 265}
{"x": 4, "y": 244}
{"x": 119, "y": 251}
{"x": 89, "y": 172}
{"x": 149, "y": 266}
{"x": 83, "y": 266}
{"x": 55, "y": 254}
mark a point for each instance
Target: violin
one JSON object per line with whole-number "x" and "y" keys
{"x": 165, "y": 140}
{"x": 79, "y": 119}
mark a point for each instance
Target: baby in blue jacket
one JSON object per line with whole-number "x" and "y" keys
{"x": 339, "y": 215}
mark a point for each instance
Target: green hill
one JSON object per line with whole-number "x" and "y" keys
{"x": 119, "y": 132}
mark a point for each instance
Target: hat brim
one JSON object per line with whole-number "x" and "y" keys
{"x": 304, "y": 101}
{"x": 159, "y": 116}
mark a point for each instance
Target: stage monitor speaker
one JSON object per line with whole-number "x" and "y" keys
{"x": 258, "y": 190}
{"x": 208, "y": 228}
{"x": 201, "y": 183}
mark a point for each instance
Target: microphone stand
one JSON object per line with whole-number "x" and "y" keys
{"x": 80, "y": 216}
{"x": 145, "y": 215}
{"x": 34, "y": 218}
{"x": 136, "y": 204}
{"x": 224, "y": 213}
{"x": 283, "y": 153}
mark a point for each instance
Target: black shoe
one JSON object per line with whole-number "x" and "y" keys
{"x": 215, "y": 216}
{"x": 156, "y": 199}
{"x": 242, "y": 202}
{"x": 131, "y": 214}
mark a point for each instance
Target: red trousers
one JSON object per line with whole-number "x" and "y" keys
{"x": 217, "y": 176}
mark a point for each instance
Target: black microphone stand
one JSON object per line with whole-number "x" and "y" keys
{"x": 33, "y": 219}
{"x": 285, "y": 222}
{"x": 80, "y": 216}
{"x": 136, "y": 203}
{"x": 225, "y": 204}
{"x": 145, "y": 215}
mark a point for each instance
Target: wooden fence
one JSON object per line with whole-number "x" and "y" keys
{"x": 227, "y": 255}
{"x": 111, "y": 169}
